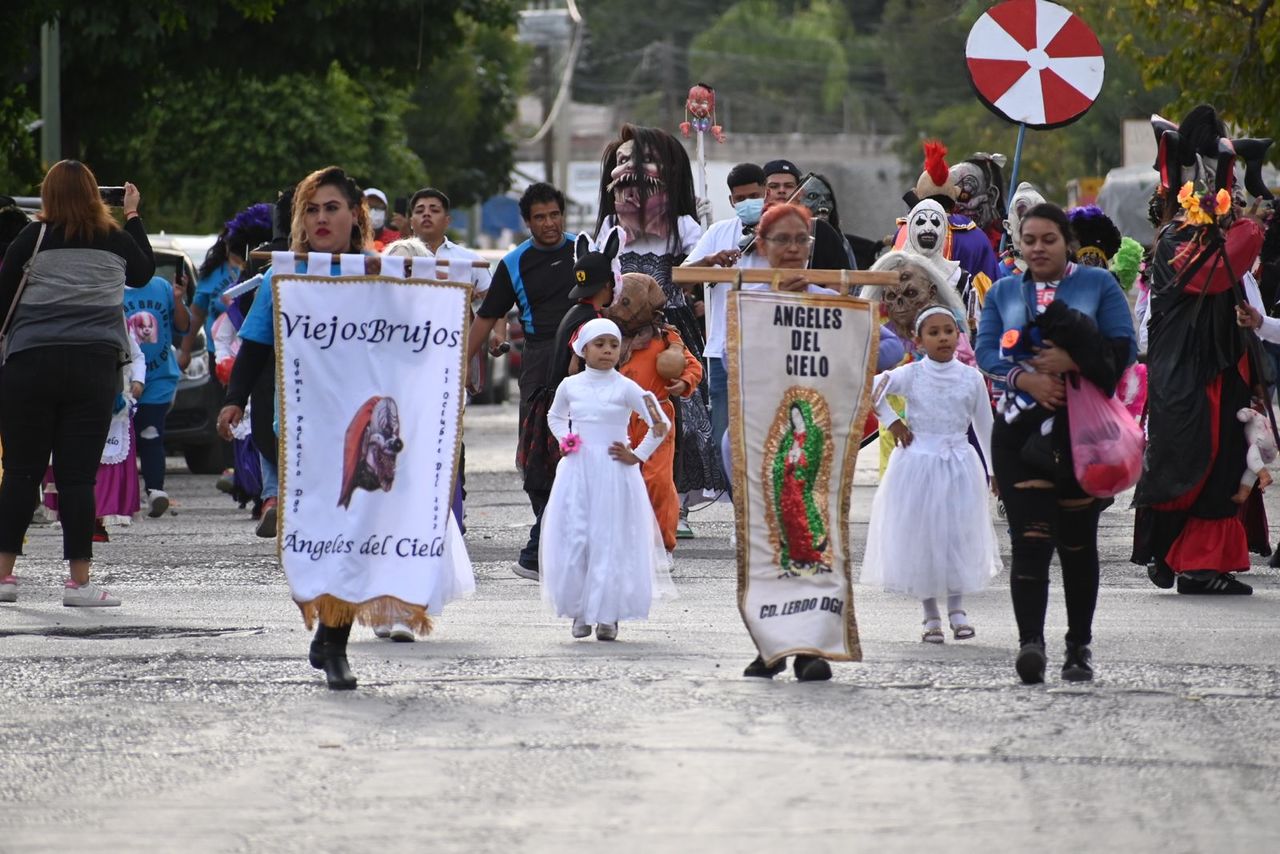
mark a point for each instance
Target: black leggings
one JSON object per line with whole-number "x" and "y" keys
{"x": 55, "y": 400}
{"x": 1047, "y": 510}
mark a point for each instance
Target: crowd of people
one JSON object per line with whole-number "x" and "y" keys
{"x": 1001, "y": 307}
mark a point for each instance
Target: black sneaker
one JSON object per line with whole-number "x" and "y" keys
{"x": 758, "y": 670}
{"x": 1274, "y": 563}
{"x": 1221, "y": 584}
{"x": 1160, "y": 574}
{"x": 1076, "y": 666}
{"x": 810, "y": 668}
{"x": 525, "y": 569}
{"x": 1030, "y": 663}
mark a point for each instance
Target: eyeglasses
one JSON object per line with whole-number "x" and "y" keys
{"x": 799, "y": 241}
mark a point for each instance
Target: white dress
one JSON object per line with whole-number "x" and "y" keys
{"x": 930, "y": 533}
{"x": 601, "y": 552}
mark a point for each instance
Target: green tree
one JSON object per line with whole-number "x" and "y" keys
{"x": 212, "y": 62}
{"x": 198, "y": 162}
{"x": 1223, "y": 52}
{"x": 789, "y": 65}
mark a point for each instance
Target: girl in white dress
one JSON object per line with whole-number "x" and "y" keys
{"x": 930, "y": 533}
{"x": 601, "y": 551}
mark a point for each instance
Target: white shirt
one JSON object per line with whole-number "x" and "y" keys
{"x": 450, "y": 251}
{"x": 1270, "y": 329}
{"x": 722, "y": 235}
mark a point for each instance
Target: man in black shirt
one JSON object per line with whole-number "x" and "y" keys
{"x": 536, "y": 277}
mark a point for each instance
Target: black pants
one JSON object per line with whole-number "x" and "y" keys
{"x": 55, "y": 399}
{"x": 1047, "y": 511}
{"x": 262, "y": 414}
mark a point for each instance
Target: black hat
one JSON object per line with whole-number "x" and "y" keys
{"x": 777, "y": 167}
{"x": 592, "y": 270}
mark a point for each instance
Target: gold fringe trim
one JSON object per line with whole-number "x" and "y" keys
{"x": 382, "y": 611}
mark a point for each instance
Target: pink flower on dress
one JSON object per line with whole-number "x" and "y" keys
{"x": 570, "y": 443}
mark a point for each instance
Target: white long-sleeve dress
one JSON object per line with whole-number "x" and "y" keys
{"x": 930, "y": 533}
{"x": 601, "y": 552}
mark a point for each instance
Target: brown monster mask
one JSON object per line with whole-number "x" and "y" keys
{"x": 912, "y": 292}
{"x": 636, "y": 308}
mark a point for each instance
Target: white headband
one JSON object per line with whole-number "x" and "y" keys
{"x": 929, "y": 312}
{"x": 593, "y": 329}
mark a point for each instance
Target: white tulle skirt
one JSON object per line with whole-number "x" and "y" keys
{"x": 601, "y": 556}
{"x": 930, "y": 534}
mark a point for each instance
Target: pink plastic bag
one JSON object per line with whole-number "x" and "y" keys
{"x": 1106, "y": 443}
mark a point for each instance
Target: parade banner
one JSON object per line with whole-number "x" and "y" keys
{"x": 800, "y": 366}
{"x": 369, "y": 384}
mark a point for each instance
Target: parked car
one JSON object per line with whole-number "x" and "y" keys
{"x": 190, "y": 428}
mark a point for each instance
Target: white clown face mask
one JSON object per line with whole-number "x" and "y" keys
{"x": 926, "y": 228}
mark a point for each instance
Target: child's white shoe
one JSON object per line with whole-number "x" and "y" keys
{"x": 607, "y": 631}
{"x": 581, "y": 629}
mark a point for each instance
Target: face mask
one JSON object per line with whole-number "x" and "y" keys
{"x": 377, "y": 219}
{"x": 749, "y": 210}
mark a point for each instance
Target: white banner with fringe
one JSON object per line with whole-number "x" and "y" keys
{"x": 370, "y": 398}
{"x": 800, "y": 368}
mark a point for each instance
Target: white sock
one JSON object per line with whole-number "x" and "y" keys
{"x": 955, "y": 603}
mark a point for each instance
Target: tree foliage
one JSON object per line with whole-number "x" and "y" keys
{"x": 252, "y": 94}
{"x": 1223, "y": 52}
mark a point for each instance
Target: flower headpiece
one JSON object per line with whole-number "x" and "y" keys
{"x": 1205, "y": 208}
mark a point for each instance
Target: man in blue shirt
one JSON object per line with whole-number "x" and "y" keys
{"x": 536, "y": 277}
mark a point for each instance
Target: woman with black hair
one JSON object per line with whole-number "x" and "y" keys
{"x": 1087, "y": 335}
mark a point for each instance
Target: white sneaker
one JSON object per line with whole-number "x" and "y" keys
{"x": 157, "y": 503}
{"x": 607, "y": 631}
{"x": 401, "y": 633}
{"x": 382, "y": 631}
{"x": 87, "y": 596}
{"x": 581, "y": 629}
{"x": 9, "y": 588}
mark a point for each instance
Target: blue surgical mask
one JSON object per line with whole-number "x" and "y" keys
{"x": 749, "y": 210}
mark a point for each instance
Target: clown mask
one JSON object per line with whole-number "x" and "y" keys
{"x": 1024, "y": 199}
{"x": 926, "y": 229}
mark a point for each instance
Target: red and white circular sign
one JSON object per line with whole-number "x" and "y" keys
{"x": 1035, "y": 63}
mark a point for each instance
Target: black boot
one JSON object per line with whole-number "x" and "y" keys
{"x": 810, "y": 668}
{"x": 757, "y": 668}
{"x": 316, "y": 655}
{"x": 1030, "y": 662}
{"x": 337, "y": 672}
{"x": 1076, "y": 665}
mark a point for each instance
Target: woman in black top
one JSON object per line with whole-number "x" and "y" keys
{"x": 64, "y": 347}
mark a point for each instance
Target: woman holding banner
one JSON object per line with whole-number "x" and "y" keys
{"x": 785, "y": 233}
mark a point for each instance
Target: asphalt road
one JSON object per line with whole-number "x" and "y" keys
{"x": 188, "y": 720}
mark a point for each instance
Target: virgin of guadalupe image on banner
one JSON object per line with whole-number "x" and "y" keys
{"x": 798, "y": 399}
{"x": 370, "y": 385}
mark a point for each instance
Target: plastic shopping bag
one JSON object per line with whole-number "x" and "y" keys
{"x": 1106, "y": 443}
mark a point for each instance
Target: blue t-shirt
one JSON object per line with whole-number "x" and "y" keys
{"x": 209, "y": 297}
{"x": 149, "y": 312}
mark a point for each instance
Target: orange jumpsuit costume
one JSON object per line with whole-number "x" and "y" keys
{"x": 658, "y": 470}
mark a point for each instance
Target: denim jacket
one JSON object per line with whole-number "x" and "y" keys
{"x": 1089, "y": 290}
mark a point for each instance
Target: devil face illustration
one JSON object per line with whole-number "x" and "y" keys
{"x": 372, "y": 444}
{"x": 926, "y": 225}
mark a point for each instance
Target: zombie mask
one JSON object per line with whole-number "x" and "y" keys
{"x": 926, "y": 228}
{"x": 905, "y": 299}
{"x": 646, "y": 186}
{"x": 371, "y": 447}
{"x": 817, "y": 196}
{"x": 978, "y": 197}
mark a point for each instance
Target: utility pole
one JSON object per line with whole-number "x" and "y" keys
{"x": 50, "y": 94}
{"x": 548, "y": 99}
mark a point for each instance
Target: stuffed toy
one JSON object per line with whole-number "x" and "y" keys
{"x": 1262, "y": 452}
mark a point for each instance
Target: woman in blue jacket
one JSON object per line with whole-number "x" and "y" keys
{"x": 1038, "y": 330}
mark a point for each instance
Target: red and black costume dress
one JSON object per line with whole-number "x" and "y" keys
{"x": 1202, "y": 368}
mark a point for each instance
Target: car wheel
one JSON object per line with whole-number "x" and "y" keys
{"x": 204, "y": 459}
